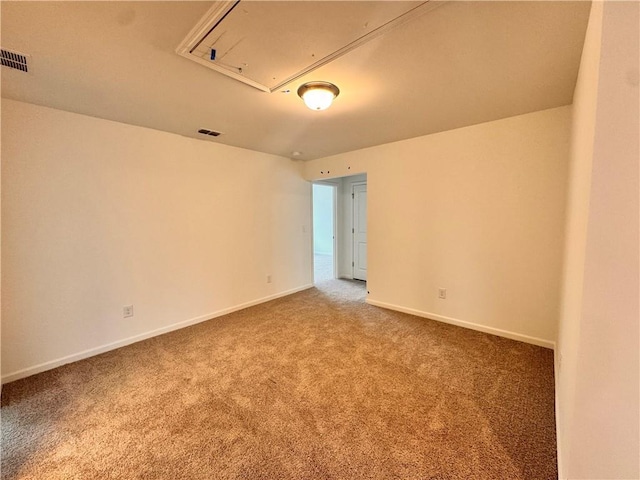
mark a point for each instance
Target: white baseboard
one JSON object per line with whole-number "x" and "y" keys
{"x": 27, "y": 372}
{"x": 461, "y": 323}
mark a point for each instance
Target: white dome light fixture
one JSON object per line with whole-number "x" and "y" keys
{"x": 318, "y": 95}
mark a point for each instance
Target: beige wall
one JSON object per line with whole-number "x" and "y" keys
{"x": 478, "y": 211}
{"x": 0, "y": 255}
{"x": 583, "y": 128}
{"x": 97, "y": 215}
{"x": 598, "y": 380}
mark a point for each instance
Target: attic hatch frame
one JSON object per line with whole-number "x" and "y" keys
{"x": 217, "y": 13}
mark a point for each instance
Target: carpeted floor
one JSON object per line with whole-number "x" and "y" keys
{"x": 322, "y": 267}
{"x": 317, "y": 385}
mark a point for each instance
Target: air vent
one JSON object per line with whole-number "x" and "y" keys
{"x": 14, "y": 60}
{"x": 211, "y": 133}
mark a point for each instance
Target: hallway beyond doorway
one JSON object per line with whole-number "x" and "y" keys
{"x": 324, "y": 230}
{"x": 323, "y": 267}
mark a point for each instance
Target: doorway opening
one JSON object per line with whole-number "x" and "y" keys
{"x": 324, "y": 232}
{"x": 340, "y": 228}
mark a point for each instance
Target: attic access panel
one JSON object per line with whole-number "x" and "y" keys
{"x": 268, "y": 44}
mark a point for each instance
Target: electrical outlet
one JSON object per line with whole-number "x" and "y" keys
{"x": 442, "y": 293}
{"x": 127, "y": 311}
{"x": 268, "y": 278}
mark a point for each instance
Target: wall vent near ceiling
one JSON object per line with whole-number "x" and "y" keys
{"x": 211, "y": 133}
{"x": 14, "y": 60}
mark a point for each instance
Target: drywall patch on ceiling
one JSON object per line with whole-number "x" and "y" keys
{"x": 270, "y": 44}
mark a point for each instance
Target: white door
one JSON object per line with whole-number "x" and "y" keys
{"x": 359, "y": 196}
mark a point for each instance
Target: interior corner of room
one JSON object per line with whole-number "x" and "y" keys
{"x": 504, "y": 212}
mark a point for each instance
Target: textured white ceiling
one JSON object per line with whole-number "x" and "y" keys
{"x": 269, "y": 44}
{"x": 461, "y": 64}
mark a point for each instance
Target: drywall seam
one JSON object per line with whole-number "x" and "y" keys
{"x": 470, "y": 325}
{"x": 26, "y": 372}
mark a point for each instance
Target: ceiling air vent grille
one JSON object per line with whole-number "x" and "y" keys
{"x": 14, "y": 60}
{"x": 211, "y": 133}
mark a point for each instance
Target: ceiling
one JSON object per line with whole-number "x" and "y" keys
{"x": 236, "y": 37}
{"x": 459, "y": 64}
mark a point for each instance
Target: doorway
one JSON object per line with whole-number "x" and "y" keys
{"x": 324, "y": 232}
{"x": 340, "y": 228}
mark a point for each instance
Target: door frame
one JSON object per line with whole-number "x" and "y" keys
{"x": 353, "y": 224}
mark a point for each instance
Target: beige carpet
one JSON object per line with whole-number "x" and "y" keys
{"x": 317, "y": 385}
{"x": 322, "y": 267}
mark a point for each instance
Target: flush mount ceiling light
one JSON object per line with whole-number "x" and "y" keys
{"x": 318, "y": 95}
